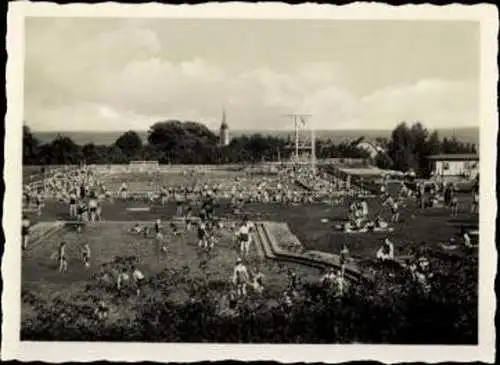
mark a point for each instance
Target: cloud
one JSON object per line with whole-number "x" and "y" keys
{"x": 432, "y": 101}
{"x": 126, "y": 79}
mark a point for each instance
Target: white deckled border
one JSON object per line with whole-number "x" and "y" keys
{"x": 487, "y": 15}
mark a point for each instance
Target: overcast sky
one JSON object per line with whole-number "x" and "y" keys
{"x": 119, "y": 74}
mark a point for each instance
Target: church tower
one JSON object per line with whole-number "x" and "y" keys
{"x": 224, "y": 130}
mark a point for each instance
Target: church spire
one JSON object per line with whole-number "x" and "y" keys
{"x": 224, "y": 130}
{"x": 224, "y": 124}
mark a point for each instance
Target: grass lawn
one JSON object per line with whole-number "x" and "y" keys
{"x": 416, "y": 226}
{"x": 109, "y": 240}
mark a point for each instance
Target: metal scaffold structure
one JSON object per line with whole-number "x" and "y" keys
{"x": 301, "y": 123}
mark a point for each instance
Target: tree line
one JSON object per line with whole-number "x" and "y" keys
{"x": 410, "y": 144}
{"x": 190, "y": 142}
{"x": 173, "y": 142}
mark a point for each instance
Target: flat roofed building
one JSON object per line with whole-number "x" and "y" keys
{"x": 466, "y": 165}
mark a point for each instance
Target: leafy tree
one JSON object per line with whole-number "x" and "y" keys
{"x": 182, "y": 142}
{"x": 30, "y": 146}
{"x": 116, "y": 156}
{"x": 401, "y": 146}
{"x": 382, "y": 161}
{"x": 431, "y": 147}
{"x": 62, "y": 150}
{"x": 129, "y": 143}
{"x": 91, "y": 153}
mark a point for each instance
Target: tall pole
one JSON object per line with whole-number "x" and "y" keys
{"x": 313, "y": 148}
{"x": 296, "y": 124}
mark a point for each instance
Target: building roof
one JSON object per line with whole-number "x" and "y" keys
{"x": 455, "y": 157}
{"x": 224, "y": 125}
{"x": 362, "y": 171}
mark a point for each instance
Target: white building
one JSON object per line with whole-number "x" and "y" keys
{"x": 224, "y": 138}
{"x": 466, "y": 165}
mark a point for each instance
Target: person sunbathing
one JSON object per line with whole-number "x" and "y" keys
{"x": 380, "y": 223}
{"x": 386, "y": 251}
{"x": 140, "y": 229}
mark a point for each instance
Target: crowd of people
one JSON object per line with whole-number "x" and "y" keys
{"x": 196, "y": 203}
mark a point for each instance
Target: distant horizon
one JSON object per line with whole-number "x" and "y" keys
{"x": 465, "y": 134}
{"x": 247, "y": 130}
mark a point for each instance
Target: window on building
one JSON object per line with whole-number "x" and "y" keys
{"x": 446, "y": 166}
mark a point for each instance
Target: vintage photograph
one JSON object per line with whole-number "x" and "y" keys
{"x": 252, "y": 181}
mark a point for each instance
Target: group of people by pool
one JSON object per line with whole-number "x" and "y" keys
{"x": 84, "y": 192}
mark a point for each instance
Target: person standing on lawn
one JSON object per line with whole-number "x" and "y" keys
{"x": 244, "y": 236}
{"x": 395, "y": 211}
{"x": 92, "y": 208}
{"x": 475, "y": 200}
{"x": 161, "y": 248}
{"x": 202, "y": 234}
{"x": 163, "y": 195}
{"x": 86, "y": 254}
{"x": 124, "y": 191}
{"x": 39, "y": 203}
{"x": 453, "y": 202}
{"x": 25, "y": 232}
{"x": 61, "y": 258}
{"x": 72, "y": 205}
{"x": 240, "y": 278}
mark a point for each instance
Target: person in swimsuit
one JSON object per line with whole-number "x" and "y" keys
{"x": 124, "y": 190}
{"x": 25, "y": 232}
{"x": 188, "y": 217}
{"x": 386, "y": 251}
{"x": 475, "y": 201}
{"x": 39, "y": 203}
{"x": 180, "y": 203}
{"x": 122, "y": 279}
{"x": 93, "y": 209}
{"x": 61, "y": 258}
{"x": 82, "y": 191}
{"x": 240, "y": 278}
{"x": 80, "y": 211}
{"x": 72, "y": 205}
{"x": 394, "y": 211}
{"x": 163, "y": 195}
{"x": 161, "y": 248}
{"x": 245, "y": 237}
{"x": 258, "y": 281}
{"x": 138, "y": 280}
{"x": 86, "y": 255}
{"x": 202, "y": 235}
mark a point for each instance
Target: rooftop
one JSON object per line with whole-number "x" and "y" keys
{"x": 455, "y": 157}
